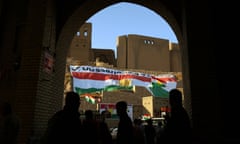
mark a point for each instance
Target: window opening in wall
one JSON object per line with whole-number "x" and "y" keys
{"x": 149, "y": 42}
{"x": 85, "y": 33}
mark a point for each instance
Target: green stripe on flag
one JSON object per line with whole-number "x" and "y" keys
{"x": 118, "y": 88}
{"x": 110, "y": 88}
{"x": 81, "y": 91}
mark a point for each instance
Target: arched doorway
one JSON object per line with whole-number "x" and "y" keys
{"x": 38, "y": 97}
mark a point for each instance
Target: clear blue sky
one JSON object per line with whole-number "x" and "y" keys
{"x": 127, "y": 18}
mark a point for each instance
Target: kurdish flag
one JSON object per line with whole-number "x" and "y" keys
{"x": 89, "y": 79}
{"x": 90, "y": 99}
{"x": 162, "y": 84}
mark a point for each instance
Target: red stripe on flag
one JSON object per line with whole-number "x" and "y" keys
{"x": 164, "y": 79}
{"x": 103, "y": 77}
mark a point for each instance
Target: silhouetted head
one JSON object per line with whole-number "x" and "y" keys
{"x": 149, "y": 121}
{"x": 89, "y": 114}
{"x": 137, "y": 121}
{"x": 160, "y": 123}
{"x": 72, "y": 100}
{"x": 121, "y": 107}
{"x": 175, "y": 97}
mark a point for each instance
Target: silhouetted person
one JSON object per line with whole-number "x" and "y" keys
{"x": 150, "y": 132}
{"x": 10, "y": 125}
{"x": 105, "y": 135}
{"x": 90, "y": 128}
{"x": 178, "y": 126}
{"x": 65, "y": 125}
{"x": 159, "y": 131}
{"x": 125, "y": 125}
{"x": 139, "y": 134}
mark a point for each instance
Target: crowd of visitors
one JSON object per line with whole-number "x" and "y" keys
{"x": 66, "y": 126}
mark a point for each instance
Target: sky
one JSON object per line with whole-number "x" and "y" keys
{"x": 127, "y": 18}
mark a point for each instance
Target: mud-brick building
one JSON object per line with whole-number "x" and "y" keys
{"x": 135, "y": 53}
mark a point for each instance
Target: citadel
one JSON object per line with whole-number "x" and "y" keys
{"x": 129, "y": 50}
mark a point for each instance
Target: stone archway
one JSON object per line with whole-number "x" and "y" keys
{"x": 36, "y": 98}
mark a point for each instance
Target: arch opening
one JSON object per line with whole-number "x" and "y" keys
{"x": 72, "y": 26}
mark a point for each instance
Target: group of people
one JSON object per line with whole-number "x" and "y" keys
{"x": 176, "y": 128}
{"x": 66, "y": 127}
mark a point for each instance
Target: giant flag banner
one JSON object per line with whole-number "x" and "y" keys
{"x": 90, "y": 79}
